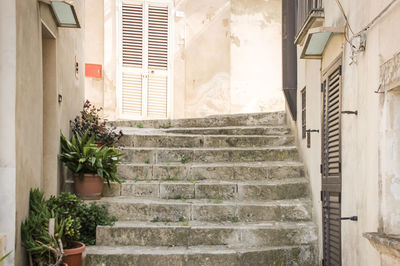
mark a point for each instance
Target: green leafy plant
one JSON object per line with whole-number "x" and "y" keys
{"x": 184, "y": 159}
{"x": 74, "y": 220}
{"x": 166, "y": 125}
{"x": 5, "y": 256}
{"x": 90, "y": 120}
{"x": 82, "y": 156}
{"x": 43, "y": 248}
{"x": 86, "y": 216}
{"x": 140, "y": 125}
{"x": 235, "y": 219}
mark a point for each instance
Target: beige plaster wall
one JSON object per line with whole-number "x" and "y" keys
{"x": 308, "y": 78}
{"x": 256, "y": 56}
{"x": 226, "y": 57}
{"x": 94, "y": 48}
{"x": 206, "y": 58}
{"x": 34, "y": 108}
{"x": 7, "y": 129}
{"x": 370, "y": 140}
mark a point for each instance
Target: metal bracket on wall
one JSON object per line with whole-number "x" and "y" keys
{"x": 352, "y": 218}
{"x": 309, "y": 131}
{"x": 350, "y": 112}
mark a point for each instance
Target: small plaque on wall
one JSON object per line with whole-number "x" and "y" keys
{"x": 93, "y": 71}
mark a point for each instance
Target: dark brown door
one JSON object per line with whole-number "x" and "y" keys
{"x": 331, "y": 163}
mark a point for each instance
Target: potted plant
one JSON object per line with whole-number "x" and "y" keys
{"x": 61, "y": 241}
{"x": 91, "y": 165}
{"x": 40, "y": 241}
{"x": 91, "y": 121}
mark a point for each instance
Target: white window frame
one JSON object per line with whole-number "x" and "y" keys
{"x": 170, "y": 77}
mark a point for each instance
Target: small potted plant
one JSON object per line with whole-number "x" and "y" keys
{"x": 90, "y": 164}
{"x": 57, "y": 231}
{"x": 91, "y": 121}
{"x": 43, "y": 245}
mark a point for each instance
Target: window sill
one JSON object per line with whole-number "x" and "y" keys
{"x": 387, "y": 244}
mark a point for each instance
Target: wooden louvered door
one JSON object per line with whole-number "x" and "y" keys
{"x": 143, "y": 86}
{"x": 331, "y": 164}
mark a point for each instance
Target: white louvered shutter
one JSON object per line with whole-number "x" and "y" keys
{"x": 144, "y": 79}
{"x": 158, "y": 61}
{"x": 132, "y": 59}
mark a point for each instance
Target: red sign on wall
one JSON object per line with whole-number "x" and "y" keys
{"x": 93, "y": 71}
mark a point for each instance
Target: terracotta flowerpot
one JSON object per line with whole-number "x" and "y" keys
{"x": 90, "y": 187}
{"x": 73, "y": 256}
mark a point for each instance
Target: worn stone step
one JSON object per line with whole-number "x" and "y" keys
{"x": 223, "y": 190}
{"x": 249, "y": 130}
{"x": 199, "y": 256}
{"x": 200, "y": 233}
{"x": 139, "y": 209}
{"x": 252, "y": 119}
{"x": 208, "y": 155}
{"x": 217, "y": 171}
{"x": 176, "y": 140}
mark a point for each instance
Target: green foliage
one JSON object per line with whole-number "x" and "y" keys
{"x": 89, "y": 216}
{"x": 36, "y": 239}
{"x": 82, "y": 156}
{"x": 147, "y": 161}
{"x": 5, "y": 256}
{"x": 166, "y": 125}
{"x": 140, "y": 125}
{"x": 73, "y": 221}
{"x": 184, "y": 159}
{"x": 155, "y": 220}
{"x": 235, "y": 219}
{"x": 91, "y": 121}
{"x": 92, "y": 216}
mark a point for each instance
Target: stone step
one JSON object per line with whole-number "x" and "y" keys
{"x": 255, "y": 130}
{"x": 215, "y": 141}
{"x": 139, "y": 209}
{"x": 199, "y": 256}
{"x": 200, "y": 233}
{"x": 254, "y": 119}
{"x": 222, "y": 190}
{"x": 208, "y": 155}
{"x": 218, "y": 171}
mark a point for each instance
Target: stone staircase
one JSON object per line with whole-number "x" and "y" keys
{"x": 223, "y": 190}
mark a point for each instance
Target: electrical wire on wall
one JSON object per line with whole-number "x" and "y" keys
{"x": 360, "y": 37}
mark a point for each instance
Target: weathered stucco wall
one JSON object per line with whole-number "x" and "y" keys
{"x": 207, "y": 58}
{"x": 226, "y": 57}
{"x": 256, "y": 78}
{"x": 36, "y": 110}
{"x": 370, "y": 146}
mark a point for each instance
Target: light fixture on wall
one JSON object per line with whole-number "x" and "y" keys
{"x": 64, "y": 13}
{"x": 316, "y": 41}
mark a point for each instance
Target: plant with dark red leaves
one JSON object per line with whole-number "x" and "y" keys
{"x": 91, "y": 120}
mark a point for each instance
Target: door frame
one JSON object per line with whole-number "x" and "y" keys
{"x": 170, "y": 72}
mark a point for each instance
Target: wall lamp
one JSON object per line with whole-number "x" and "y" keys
{"x": 316, "y": 41}
{"x": 64, "y": 13}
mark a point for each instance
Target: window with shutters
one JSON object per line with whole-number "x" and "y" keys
{"x": 303, "y": 113}
{"x": 144, "y": 60}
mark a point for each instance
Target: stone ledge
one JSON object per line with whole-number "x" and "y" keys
{"x": 384, "y": 243}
